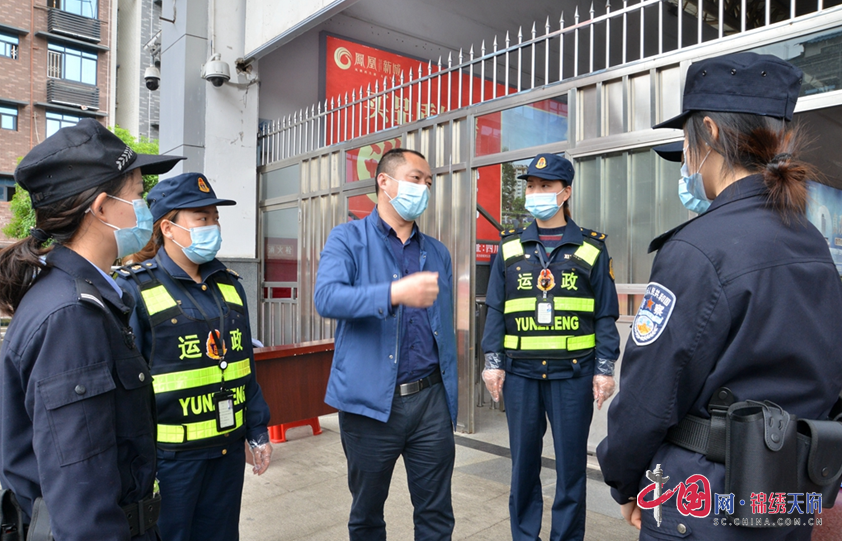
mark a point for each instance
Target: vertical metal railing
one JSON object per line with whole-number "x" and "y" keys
{"x": 280, "y": 318}
{"x": 418, "y": 93}
{"x": 55, "y": 61}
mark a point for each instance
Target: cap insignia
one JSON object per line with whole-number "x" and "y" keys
{"x": 203, "y": 186}
{"x": 542, "y": 163}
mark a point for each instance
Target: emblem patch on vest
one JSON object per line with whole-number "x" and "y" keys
{"x": 211, "y": 348}
{"x": 653, "y": 314}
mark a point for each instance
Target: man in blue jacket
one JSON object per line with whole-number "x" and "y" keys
{"x": 393, "y": 380}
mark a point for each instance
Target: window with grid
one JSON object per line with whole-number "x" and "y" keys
{"x": 9, "y": 46}
{"x": 8, "y": 118}
{"x": 71, "y": 64}
{"x": 85, "y": 8}
{"x": 56, "y": 121}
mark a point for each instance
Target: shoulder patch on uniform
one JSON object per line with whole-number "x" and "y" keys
{"x": 127, "y": 270}
{"x": 509, "y": 232}
{"x": 594, "y": 235}
{"x": 233, "y": 273}
{"x": 653, "y": 315}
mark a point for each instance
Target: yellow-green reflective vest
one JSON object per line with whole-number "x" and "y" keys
{"x": 571, "y": 332}
{"x": 186, "y": 373}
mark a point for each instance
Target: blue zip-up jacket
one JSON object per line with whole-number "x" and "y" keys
{"x": 353, "y": 285}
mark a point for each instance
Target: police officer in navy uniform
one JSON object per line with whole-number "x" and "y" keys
{"x": 745, "y": 296}
{"x": 192, "y": 323}
{"x": 77, "y": 431}
{"x": 550, "y": 344}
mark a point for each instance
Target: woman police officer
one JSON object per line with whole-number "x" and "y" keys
{"x": 192, "y": 323}
{"x": 744, "y": 296}
{"x": 550, "y": 343}
{"x": 76, "y": 410}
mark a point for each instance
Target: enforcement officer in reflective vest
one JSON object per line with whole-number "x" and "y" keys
{"x": 550, "y": 344}
{"x": 76, "y": 403}
{"x": 745, "y": 296}
{"x": 192, "y": 324}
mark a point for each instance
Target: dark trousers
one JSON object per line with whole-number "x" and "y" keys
{"x": 419, "y": 429}
{"x": 200, "y": 499}
{"x": 568, "y": 403}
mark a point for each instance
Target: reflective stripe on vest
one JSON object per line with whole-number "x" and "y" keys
{"x": 565, "y": 304}
{"x": 188, "y": 379}
{"x": 157, "y": 299}
{"x": 536, "y": 343}
{"x": 512, "y": 248}
{"x": 587, "y": 252}
{"x": 229, "y": 293}
{"x": 194, "y": 431}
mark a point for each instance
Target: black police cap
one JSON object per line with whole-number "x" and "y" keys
{"x": 671, "y": 151}
{"x": 550, "y": 167}
{"x": 759, "y": 84}
{"x": 80, "y": 157}
{"x": 185, "y": 191}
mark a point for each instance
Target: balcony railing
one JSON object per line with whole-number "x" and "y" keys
{"x": 642, "y": 30}
{"x": 76, "y": 26}
{"x": 63, "y": 92}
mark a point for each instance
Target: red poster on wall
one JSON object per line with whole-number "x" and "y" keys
{"x": 352, "y": 66}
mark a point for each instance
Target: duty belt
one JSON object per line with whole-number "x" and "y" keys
{"x": 143, "y": 515}
{"x": 706, "y": 436}
{"x": 406, "y": 389}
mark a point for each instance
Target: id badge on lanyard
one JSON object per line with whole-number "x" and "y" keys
{"x": 544, "y": 310}
{"x": 223, "y": 403}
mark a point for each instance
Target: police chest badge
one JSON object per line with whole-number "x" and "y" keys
{"x": 653, "y": 314}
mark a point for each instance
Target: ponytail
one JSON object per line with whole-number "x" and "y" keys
{"x": 20, "y": 263}
{"x": 58, "y": 222}
{"x": 762, "y": 145}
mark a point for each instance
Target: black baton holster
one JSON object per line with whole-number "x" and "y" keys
{"x": 765, "y": 450}
{"x": 760, "y": 457}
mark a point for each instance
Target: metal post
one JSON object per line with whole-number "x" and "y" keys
{"x": 459, "y": 98}
{"x": 576, "y": 42}
{"x": 506, "y": 84}
{"x": 607, "y": 34}
{"x": 471, "y": 76}
{"x": 561, "y": 47}
{"x": 482, "y": 73}
{"x": 547, "y": 51}
{"x": 438, "y": 84}
{"x": 532, "y": 68}
{"x": 409, "y": 103}
{"x": 519, "y": 56}
{"x": 590, "y": 37}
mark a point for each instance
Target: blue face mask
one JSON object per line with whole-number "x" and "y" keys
{"x": 691, "y": 188}
{"x": 411, "y": 200}
{"x": 542, "y": 206}
{"x": 131, "y": 240}
{"x": 204, "y": 245}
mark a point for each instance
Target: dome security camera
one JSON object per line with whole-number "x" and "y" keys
{"x": 216, "y": 71}
{"x": 152, "y": 76}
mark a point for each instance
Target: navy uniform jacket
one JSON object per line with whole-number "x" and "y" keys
{"x": 76, "y": 424}
{"x": 257, "y": 411}
{"x": 757, "y": 308}
{"x": 605, "y": 303}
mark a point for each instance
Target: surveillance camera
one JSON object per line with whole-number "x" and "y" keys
{"x": 216, "y": 71}
{"x": 152, "y": 76}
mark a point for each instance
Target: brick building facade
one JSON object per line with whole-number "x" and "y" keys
{"x": 55, "y": 68}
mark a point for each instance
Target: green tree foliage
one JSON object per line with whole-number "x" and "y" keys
{"x": 23, "y": 216}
